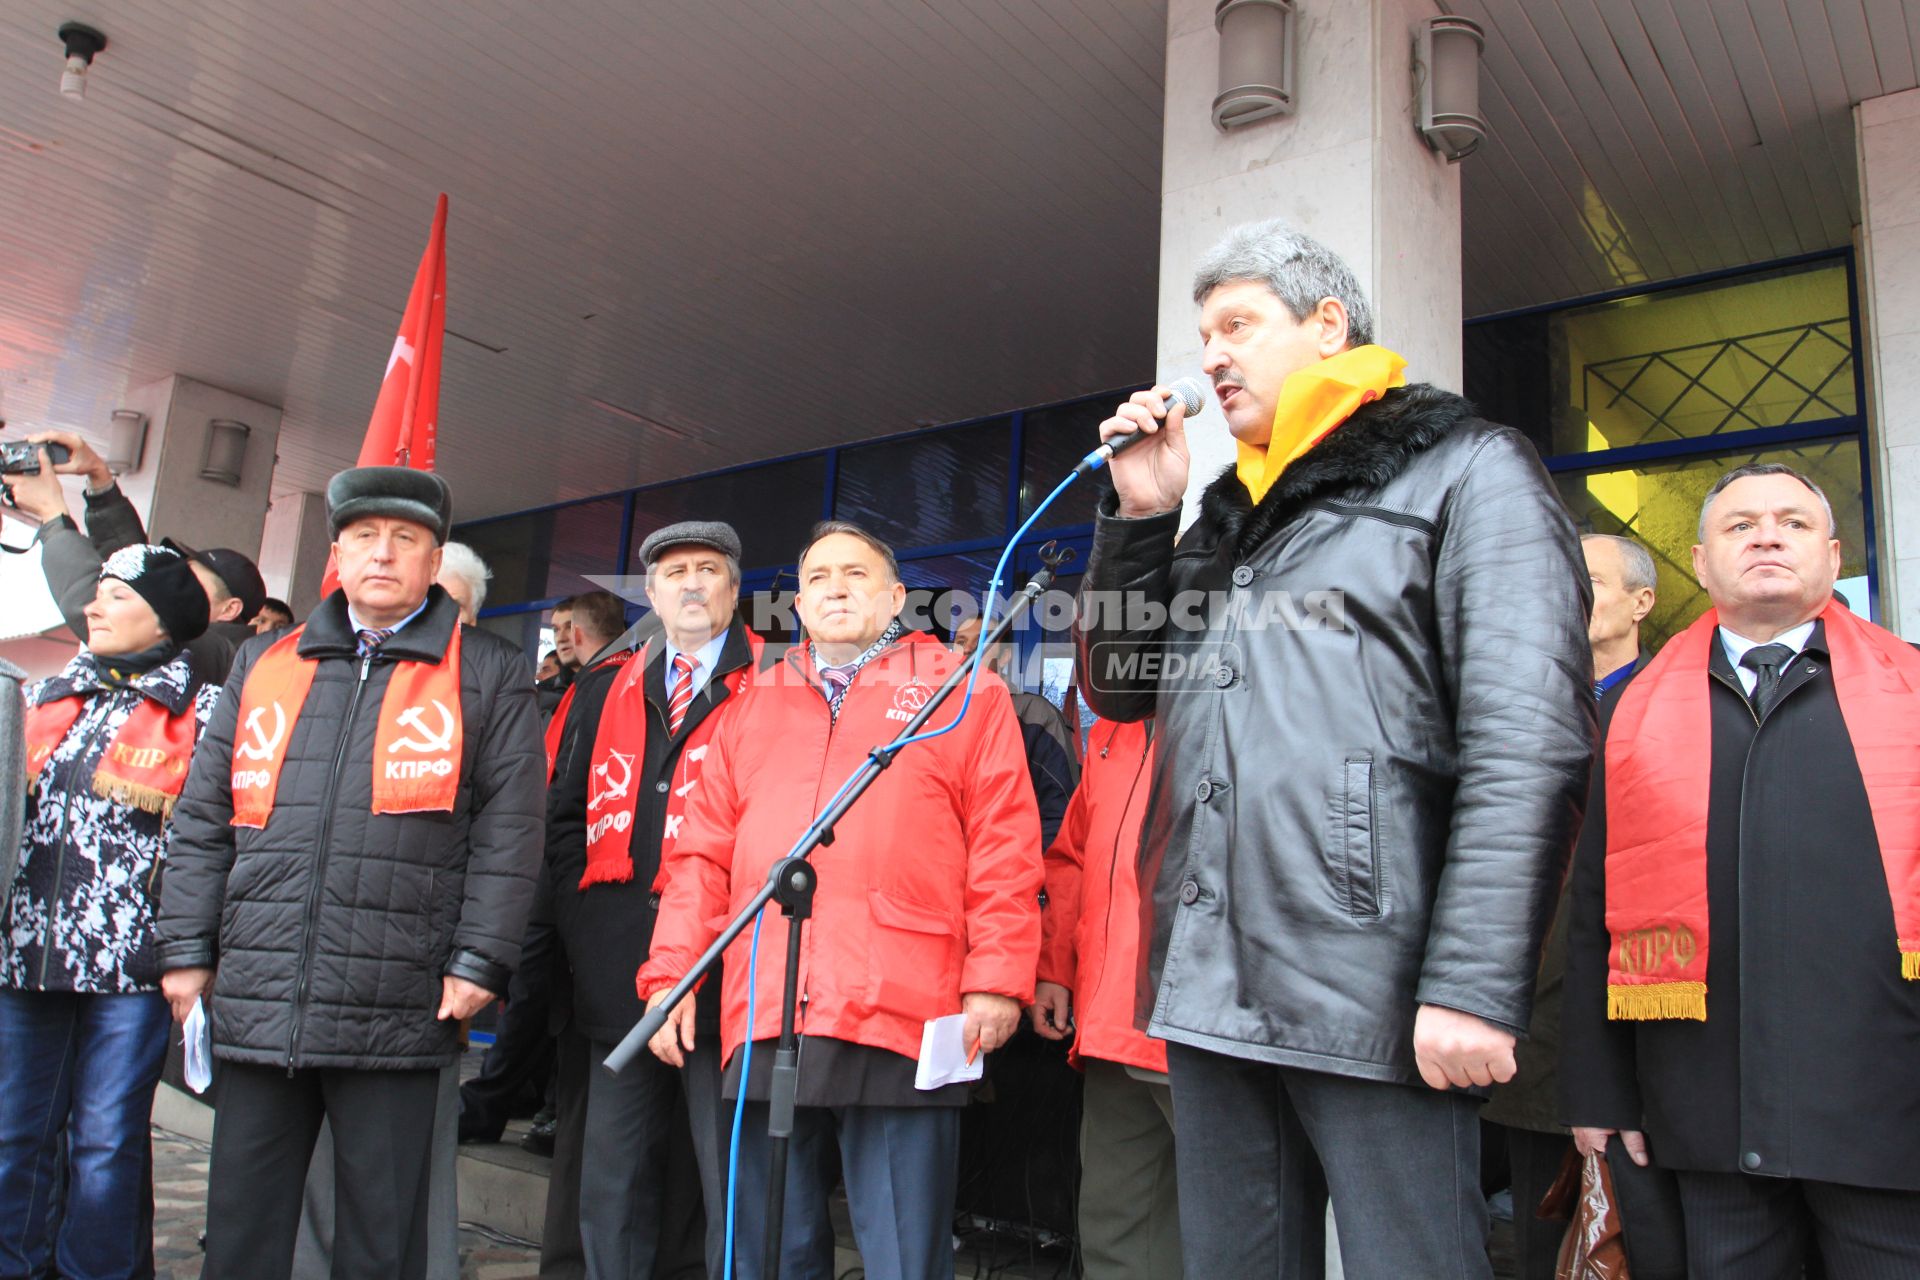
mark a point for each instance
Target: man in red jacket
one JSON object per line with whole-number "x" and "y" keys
{"x": 927, "y": 906}
{"x": 1090, "y": 942}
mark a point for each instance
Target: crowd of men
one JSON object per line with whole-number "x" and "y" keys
{"x": 1302, "y": 903}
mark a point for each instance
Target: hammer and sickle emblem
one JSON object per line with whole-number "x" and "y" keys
{"x": 603, "y": 774}
{"x": 415, "y": 718}
{"x": 911, "y": 698}
{"x": 261, "y": 745}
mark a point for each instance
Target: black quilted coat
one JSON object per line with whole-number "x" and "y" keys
{"x": 331, "y": 927}
{"x": 1375, "y": 718}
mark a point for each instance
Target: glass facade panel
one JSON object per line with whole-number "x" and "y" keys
{"x": 549, "y": 553}
{"x": 1659, "y": 506}
{"x": 1764, "y": 350}
{"x": 1054, "y": 441}
{"x": 771, "y": 507}
{"x": 949, "y": 486}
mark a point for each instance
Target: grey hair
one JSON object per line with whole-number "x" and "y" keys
{"x": 1295, "y": 268}
{"x": 1636, "y": 562}
{"x": 1766, "y": 469}
{"x": 463, "y": 562}
{"x": 827, "y": 528}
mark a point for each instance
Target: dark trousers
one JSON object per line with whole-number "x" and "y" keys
{"x": 561, "y": 1254}
{"x": 623, "y": 1173}
{"x": 263, "y": 1136}
{"x": 85, "y": 1065}
{"x": 711, "y": 1118}
{"x": 902, "y": 1169}
{"x": 1649, "y": 1203}
{"x": 520, "y": 1060}
{"x": 1769, "y": 1228}
{"x": 1402, "y": 1164}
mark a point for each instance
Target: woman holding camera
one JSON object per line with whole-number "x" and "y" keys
{"x": 82, "y": 1021}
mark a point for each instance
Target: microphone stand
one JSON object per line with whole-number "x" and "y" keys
{"x": 791, "y": 882}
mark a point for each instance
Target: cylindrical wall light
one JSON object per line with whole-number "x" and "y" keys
{"x": 126, "y": 441}
{"x": 226, "y": 451}
{"x": 1256, "y": 60}
{"x": 1446, "y": 69}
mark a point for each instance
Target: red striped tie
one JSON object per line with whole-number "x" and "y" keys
{"x": 682, "y": 698}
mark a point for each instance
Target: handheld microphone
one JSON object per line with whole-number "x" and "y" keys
{"x": 1188, "y": 391}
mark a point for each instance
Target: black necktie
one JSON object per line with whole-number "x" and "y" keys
{"x": 1767, "y": 662}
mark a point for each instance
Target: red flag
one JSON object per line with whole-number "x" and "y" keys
{"x": 406, "y": 416}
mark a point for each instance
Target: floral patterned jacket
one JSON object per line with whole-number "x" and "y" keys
{"x": 79, "y": 916}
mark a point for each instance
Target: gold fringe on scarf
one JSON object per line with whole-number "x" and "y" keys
{"x": 1643, "y": 1001}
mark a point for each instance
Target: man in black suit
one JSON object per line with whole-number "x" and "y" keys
{"x": 1756, "y": 777}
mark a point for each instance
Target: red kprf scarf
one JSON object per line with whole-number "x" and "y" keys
{"x": 619, "y": 757}
{"x": 144, "y": 766}
{"x": 1659, "y": 759}
{"x": 416, "y": 746}
{"x": 557, "y": 726}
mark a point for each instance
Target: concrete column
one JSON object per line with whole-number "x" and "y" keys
{"x": 1347, "y": 168}
{"x": 180, "y": 502}
{"x": 1887, "y": 133}
{"x": 293, "y": 549}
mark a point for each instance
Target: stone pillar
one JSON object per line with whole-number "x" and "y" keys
{"x": 1347, "y": 167}
{"x": 179, "y": 502}
{"x": 1887, "y": 133}
{"x": 293, "y": 549}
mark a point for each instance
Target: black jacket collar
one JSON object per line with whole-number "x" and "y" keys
{"x": 735, "y": 653}
{"x": 330, "y": 634}
{"x": 1370, "y": 448}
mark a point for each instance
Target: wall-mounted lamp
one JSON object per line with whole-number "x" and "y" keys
{"x": 1256, "y": 60}
{"x": 126, "y": 441}
{"x": 1446, "y": 75}
{"x": 226, "y": 451}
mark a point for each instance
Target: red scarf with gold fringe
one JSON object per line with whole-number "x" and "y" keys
{"x": 1659, "y": 760}
{"x": 144, "y": 766}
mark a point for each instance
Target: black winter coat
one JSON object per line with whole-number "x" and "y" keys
{"x": 607, "y": 929}
{"x": 1806, "y": 1064}
{"x": 1372, "y": 766}
{"x": 332, "y": 926}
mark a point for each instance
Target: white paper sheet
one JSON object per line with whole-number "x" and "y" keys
{"x": 199, "y": 1048}
{"x": 943, "y": 1054}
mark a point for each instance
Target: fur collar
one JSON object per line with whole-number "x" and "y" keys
{"x": 1366, "y": 451}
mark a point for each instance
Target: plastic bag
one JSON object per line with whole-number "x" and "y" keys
{"x": 1593, "y": 1248}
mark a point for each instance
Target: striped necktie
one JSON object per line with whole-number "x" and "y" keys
{"x": 682, "y": 696}
{"x": 372, "y": 638}
{"x": 836, "y": 680}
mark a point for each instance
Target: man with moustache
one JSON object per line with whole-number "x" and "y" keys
{"x": 1358, "y": 819}
{"x": 1743, "y": 973}
{"x": 632, "y": 750}
{"x": 927, "y": 907}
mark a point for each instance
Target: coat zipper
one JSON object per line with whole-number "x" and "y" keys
{"x": 320, "y": 858}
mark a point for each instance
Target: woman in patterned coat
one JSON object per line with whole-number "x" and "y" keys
{"x": 83, "y": 1026}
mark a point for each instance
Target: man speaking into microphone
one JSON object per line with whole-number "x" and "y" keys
{"x": 1368, "y": 661}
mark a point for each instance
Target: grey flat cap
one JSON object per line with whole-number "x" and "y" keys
{"x": 717, "y": 534}
{"x": 401, "y": 493}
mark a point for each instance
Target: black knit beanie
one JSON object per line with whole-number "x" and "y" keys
{"x": 164, "y": 579}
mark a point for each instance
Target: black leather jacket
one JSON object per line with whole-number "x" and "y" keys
{"x": 1375, "y": 724}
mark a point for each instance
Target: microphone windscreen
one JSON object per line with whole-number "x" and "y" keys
{"x": 1191, "y": 394}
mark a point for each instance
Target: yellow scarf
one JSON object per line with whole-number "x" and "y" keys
{"x": 1313, "y": 401}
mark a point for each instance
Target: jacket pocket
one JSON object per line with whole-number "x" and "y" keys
{"x": 1359, "y": 861}
{"x": 914, "y": 960}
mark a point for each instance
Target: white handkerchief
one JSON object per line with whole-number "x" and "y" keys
{"x": 199, "y": 1048}
{"x": 943, "y": 1054}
